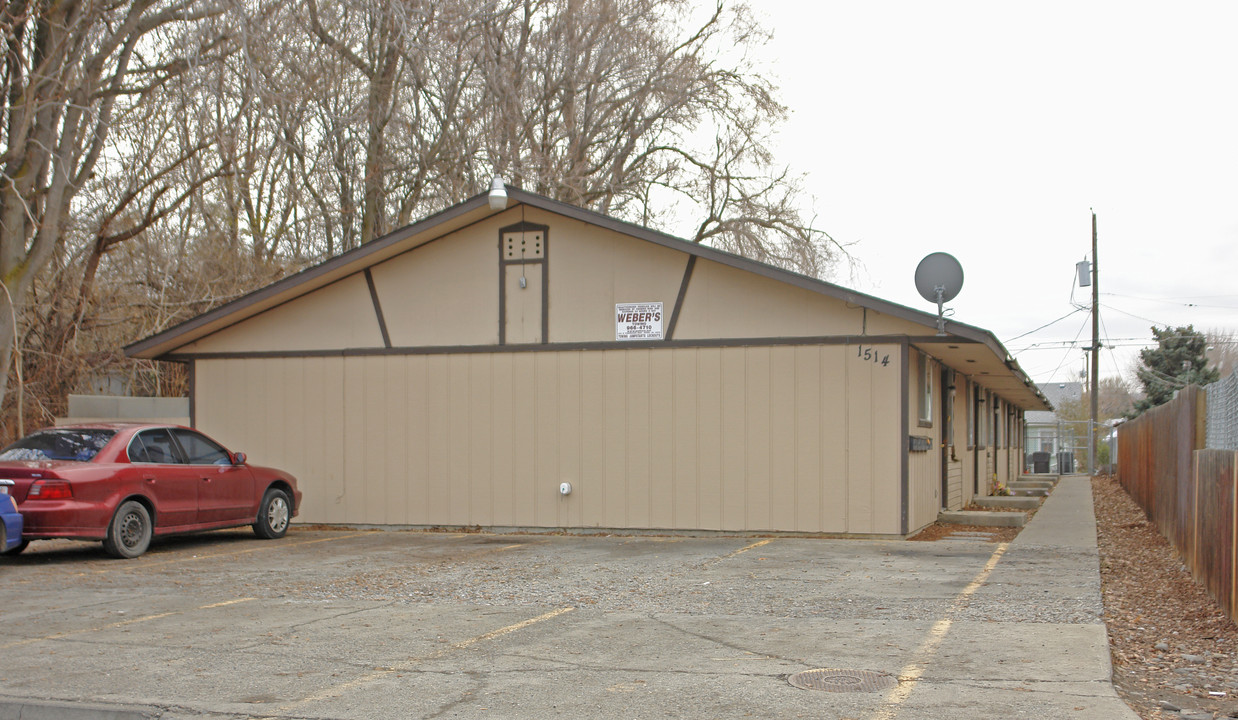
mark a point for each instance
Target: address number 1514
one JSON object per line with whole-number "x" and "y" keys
{"x": 869, "y": 354}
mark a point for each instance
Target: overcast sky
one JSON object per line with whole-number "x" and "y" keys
{"x": 991, "y": 130}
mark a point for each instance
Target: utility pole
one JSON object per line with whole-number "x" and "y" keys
{"x": 1095, "y": 352}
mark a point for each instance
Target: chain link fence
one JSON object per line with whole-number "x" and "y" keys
{"x": 1059, "y": 448}
{"x": 1222, "y": 431}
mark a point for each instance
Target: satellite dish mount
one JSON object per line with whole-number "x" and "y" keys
{"x": 939, "y": 277}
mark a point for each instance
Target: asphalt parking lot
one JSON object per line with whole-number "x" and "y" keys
{"x": 387, "y": 624}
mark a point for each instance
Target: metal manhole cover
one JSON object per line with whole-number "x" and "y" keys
{"x": 843, "y": 680}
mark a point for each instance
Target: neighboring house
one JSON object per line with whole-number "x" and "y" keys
{"x": 1048, "y": 434}
{"x": 545, "y": 366}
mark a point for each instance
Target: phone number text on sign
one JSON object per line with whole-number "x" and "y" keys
{"x": 638, "y": 321}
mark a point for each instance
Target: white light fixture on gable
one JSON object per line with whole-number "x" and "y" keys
{"x": 498, "y": 194}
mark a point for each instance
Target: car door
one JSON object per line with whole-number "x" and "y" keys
{"x": 225, "y": 491}
{"x": 166, "y": 479}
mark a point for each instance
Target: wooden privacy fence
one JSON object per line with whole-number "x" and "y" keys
{"x": 1187, "y": 491}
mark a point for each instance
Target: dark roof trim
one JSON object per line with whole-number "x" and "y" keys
{"x": 554, "y": 347}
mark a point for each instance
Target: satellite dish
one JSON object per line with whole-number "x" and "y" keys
{"x": 939, "y": 277}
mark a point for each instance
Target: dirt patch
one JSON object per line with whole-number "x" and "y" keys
{"x": 1172, "y": 647}
{"x": 941, "y": 531}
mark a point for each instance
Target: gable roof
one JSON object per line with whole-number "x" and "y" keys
{"x": 971, "y": 350}
{"x": 1055, "y": 394}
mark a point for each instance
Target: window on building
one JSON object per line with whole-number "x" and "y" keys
{"x": 971, "y": 414}
{"x": 997, "y": 422}
{"x": 948, "y": 394}
{"x": 926, "y": 390}
{"x": 982, "y": 417}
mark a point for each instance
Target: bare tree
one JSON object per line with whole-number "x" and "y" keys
{"x": 1114, "y": 401}
{"x": 607, "y": 104}
{"x": 69, "y": 70}
{"x": 613, "y": 105}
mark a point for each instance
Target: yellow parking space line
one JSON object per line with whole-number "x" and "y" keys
{"x": 121, "y": 623}
{"x": 143, "y": 565}
{"x": 503, "y": 631}
{"x": 226, "y": 603}
{"x": 913, "y": 671}
{"x": 70, "y": 633}
{"x": 756, "y": 544}
{"x": 746, "y": 548}
{"x": 411, "y": 663}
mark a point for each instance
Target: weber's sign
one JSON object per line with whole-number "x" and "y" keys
{"x": 638, "y": 321}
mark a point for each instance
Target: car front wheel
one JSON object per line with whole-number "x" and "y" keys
{"x": 128, "y": 535}
{"x": 273, "y": 515}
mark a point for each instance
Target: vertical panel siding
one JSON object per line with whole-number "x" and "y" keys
{"x": 503, "y": 440}
{"x": 568, "y": 509}
{"x": 592, "y": 497}
{"x": 686, "y": 474}
{"x": 756, "y": 438}
{"x": 545, "y": 479}
{"x": 330, "y": 474}
{"x": 417, "y": 442}
{"x": 709, "y": 436}
{"x": 480, "y": 480}
{"x": 757, "y": 484}
{"x": 303, "y": 417}
{"x": 885, "y": 394}
{"x": 357, "y": 477}
{"x": 637, "y": 442}
{"x": 524, "y": 438}
{"x": 459, "y": 429}
{"x": 809, "y": 483}
{"x": 662, "y": 423}
{"x": 783, "y": 406}
{"x": 373, "y": 438}
{"x": 860, "y": 417}
{"x": 734, "y": 448}
{"x": 834, "y": 440}
{"x": 614, "y": 441}
{"x": 438, "y": 508}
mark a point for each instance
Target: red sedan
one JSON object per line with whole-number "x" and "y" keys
{"x": 124, "y": 483}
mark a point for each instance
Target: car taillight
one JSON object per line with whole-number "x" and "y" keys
{"x": 50, "y": 490}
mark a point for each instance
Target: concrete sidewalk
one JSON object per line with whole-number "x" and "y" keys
{"x": 1050, "y": 634}
{"x": 338, "y": 625}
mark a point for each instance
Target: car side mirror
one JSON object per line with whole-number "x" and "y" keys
{"x": 238, "y": 458}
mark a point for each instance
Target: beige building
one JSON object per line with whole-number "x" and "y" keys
{"x": 469, "y": 369}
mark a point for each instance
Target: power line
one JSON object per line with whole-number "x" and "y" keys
{"x": 1042, "y": 327}
{"x": 1137, "y": 317}
{"x": 1106, "y": 342}
{"x": 1112, "y": 355}
{"x": 1169, "y": 298}
{"x": 1067, "y": 355}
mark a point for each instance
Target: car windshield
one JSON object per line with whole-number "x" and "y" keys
{"x": 66, "y": 444}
